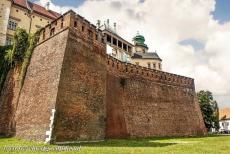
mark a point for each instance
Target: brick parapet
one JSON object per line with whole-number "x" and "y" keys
{"x": 123, "y": 68}
{"x": 82, "y": 27}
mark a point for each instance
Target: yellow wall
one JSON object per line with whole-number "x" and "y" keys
{"x": 144, "y": 63}
{"x": 5, "y": 6}
{"x": 25, "y": 19}
{"x": 38, "y": 21}
{"x": 22, "y": 17}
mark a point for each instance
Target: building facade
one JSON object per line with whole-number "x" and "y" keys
{"x": 125, "y": 51}
{"x": 224, "y": 120}
{"x": 142, "y": 57}
{"x": 24, "y": 14}
{"x": 116, "y": 46}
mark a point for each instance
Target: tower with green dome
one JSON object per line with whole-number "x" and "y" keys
{"x": 139, "y": 43}
{"x": 142, "y": 57}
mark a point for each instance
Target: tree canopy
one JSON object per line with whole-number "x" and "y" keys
{"x": 209, "y": 108}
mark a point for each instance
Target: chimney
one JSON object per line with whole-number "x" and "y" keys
{"x": 47, "y": 6}
{"x": 108, "y": 23}
{"x": 115, "y": 27}
{"x": 98, "y": 24}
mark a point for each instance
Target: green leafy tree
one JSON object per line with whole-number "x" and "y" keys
{"x": 209, "y": 108}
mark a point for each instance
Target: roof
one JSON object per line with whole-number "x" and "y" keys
{"x": 37, "y": 9}
{"x": 146, "y": 55}
{"x": 115, "y": 34}
{"x": 139, "y": 40}
{"x": 224, "y": 114}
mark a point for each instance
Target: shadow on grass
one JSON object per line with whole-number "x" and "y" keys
{"x": 123, "y": 143}
{"x": 147, "y": 142}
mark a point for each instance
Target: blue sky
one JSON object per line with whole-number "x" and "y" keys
{"x": 222, "y": 12}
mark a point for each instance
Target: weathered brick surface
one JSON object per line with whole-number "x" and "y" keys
{"x": 81, "y": 103}
{"x": 8, "y": 102}
{"x": 139, "y": 107}
{"x": 38, "y": 95}
{"x": 95, "y": 96}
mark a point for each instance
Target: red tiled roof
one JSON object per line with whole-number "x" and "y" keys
{"x": 224, "y": 113}
{"x": 21, "y": 3}
{"x": 37, "y": 8}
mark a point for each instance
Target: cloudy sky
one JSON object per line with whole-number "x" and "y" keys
{"x": 191, "y": 36}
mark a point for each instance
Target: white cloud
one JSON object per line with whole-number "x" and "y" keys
{"x": 165, "y": 23}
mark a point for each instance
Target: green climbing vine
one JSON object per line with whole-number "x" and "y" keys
{"x": 26, "y": 60}
{"x": 4, "y": 65}
{"x": 18, "y": 54}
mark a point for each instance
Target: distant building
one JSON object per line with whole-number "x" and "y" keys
{"x": 24, "y": 14}
{"x": 224, "y": 119}
{"x": 125, "y": 51}
{"x": 117, "y": 47}
{"x": 142, "y": 57}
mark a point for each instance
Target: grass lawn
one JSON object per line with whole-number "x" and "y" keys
{"x": 202, "y": 145}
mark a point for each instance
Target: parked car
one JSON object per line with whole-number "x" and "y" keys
{"x": 223, "y": 131}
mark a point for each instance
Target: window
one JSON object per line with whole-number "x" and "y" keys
{"x": 159, "y": 66}
{"x": 12, "y": 25}
{"x": 52, "y": 31}
{"x": 9, "y": 40}
{"x": 149, "y": 65}
{"x": 62, "y": 25}
{"x": 82, "y": 28}
{"x": 137, "y": 63}
{"x": 75, "y": 24}
{"x": 43, "y": 35}
{"x": 119, "y": 44}
{"x": 108, "y": 38}
{"x": 125, "y": 47}
{"x": 227, "y": 124}
{"x": 154, "y": 65}
{"x": 114, "y": 41}
{"x": 129, "y": 49}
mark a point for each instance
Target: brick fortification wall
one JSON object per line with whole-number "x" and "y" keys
{"x": 8, "y": 102}
{"x": 143, "y": 102}
{"x": 67, "y": 73}
{"x": 81, "y": 97}
{"x": 74, "y": 91}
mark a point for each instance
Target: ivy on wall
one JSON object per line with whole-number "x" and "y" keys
{"x": 27, "y": 56}
{"x": 18, "y": 54}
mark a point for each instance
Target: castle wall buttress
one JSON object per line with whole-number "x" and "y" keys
{"x": 39, "y": 92}
{"x": 81, "y": 106}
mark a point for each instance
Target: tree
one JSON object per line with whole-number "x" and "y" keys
{"x": 209, "y": 108}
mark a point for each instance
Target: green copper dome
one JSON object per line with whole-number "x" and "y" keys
{"x": 139, "y": 40}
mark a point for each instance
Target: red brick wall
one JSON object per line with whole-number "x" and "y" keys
{"x": 138, "y": 106}
{"x": 81, "y": 102}
{"x": 39, "y": 92}
{"x": 95, "y": 96}
{"x": 8, "y": 102}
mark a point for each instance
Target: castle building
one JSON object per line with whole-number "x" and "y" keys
{"x": 142, "y": 57}
{"x": 24, "y": 14}
{"x": 117, "y": 47}
{"x": 125, "y": 51}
